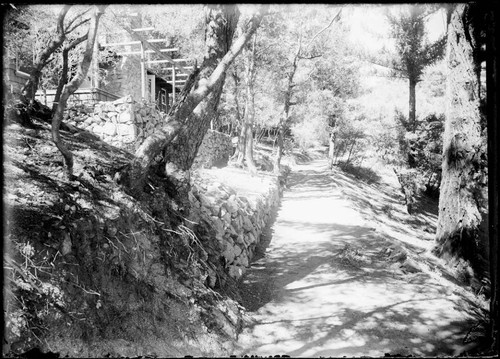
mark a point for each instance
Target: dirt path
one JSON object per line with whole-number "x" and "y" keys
{"x": 331, "y": 283}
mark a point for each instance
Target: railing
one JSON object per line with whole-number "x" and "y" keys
{"x": 82, "y": 95}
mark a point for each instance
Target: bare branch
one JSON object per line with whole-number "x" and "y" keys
{"x": 335, "y": 18}
{"x": 77, "y": 25}
{"x": 310, "y": 57}
{"x": 76, "y": 42}
{"x": 79, "y": 15}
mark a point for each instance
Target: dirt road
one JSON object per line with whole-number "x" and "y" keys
{"x": 334, "y": 281}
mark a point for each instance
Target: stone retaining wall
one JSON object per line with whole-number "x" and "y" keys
{"x": 125, "y": 124}
{"x": 238, "y": 219}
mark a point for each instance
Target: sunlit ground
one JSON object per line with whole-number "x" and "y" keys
{"x": 308, "y": 298}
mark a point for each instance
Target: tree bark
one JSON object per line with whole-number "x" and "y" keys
{"x": 462, "y": 223}
{"x": 412, "y": 120}
{"x": 180, "y": 153}
{"x": 240, "y": 148}
{"x": 72, "y": 86}
{"x": 250, "y": 107}
{"x": 189, "y": 120}
{"x": 331, "y": 148}
{"x": 64, "y": 72}
{"x": 286, "y": 107}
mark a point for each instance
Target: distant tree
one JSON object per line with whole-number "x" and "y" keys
{"x": 245, "y": 142}
{"x": 413, "y": 52}
{"x": 305, "y": 47}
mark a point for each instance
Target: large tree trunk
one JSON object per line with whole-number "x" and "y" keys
{"x": 191, "y": 118}
{"x": 463, "y": 217}
{"x": 179, "y": 155}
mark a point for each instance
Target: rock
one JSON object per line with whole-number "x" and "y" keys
{"x": 125, "y": 130}
{"x": 126, "y": 117}
{"x": 251, "y": 238}
{"x": 109, "y": 129}
{"x": 235, "y": 271}
{"x": 229, "y": 254}
{"x": 237, "y": 250}
{"x": 217, "y": 225}
{"x": 227, "y": 218}
{"x": 242, "y": 260}
{"x": 247, "y": 224}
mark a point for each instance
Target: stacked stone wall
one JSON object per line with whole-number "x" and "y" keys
{"x": 238, "y": 220}
{"x": 125, "y": 123}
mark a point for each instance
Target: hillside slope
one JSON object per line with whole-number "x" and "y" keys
{"x": 91, "y": 271}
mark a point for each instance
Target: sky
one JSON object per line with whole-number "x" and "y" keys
{"x": 370, "y": 29}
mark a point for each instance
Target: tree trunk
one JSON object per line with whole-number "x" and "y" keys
{"x": 240, "y": 148}
{"x": 64, "y": 72}
{"x": 221, "y": 24}
{"x": 250, "y": 107}
{"x": 28, "y": 91}
{"x": 331, "y": 148}
{"x": 412, "y": 119}
{"x": 462, "y": 223}
{"x": 71, "y": 87}
{"x": 279, "y": 149}
{"x": 286, "y": 108}
{"x": 191, "y": 117}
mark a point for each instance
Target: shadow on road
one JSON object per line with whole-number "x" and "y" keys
{"x": 326, "y": 283}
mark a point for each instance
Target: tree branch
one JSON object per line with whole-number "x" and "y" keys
{"x": 310, "y": 57}
{"x": 70, "y": 22}
{"x": 336, "y": 17}
{"x": 77, "y": 25}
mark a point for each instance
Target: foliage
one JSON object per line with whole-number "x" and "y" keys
{"x": 425, "y": 146}
{"x": 413, "y": 51}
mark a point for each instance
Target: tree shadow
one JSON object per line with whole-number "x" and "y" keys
{"x": 425, "y": 318}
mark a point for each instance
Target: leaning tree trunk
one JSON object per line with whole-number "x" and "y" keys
{"x": 462, "y": 222}
{"x": 191, "y": 117}
{"x": 180, "y": 154}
